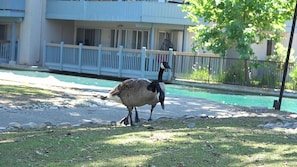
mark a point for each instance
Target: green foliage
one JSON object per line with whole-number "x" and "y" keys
{"x": 223, "y": 24}
{"x": 293, "y": 76}
{"x": 200, "y": 74}
{"x": 235, "y": 74}
{"x": 275, "y": 65}
{"x": 281, "y": 54}
{"x": 268, "y": 81}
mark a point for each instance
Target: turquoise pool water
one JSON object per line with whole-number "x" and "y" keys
{"x": 288, "y": 104}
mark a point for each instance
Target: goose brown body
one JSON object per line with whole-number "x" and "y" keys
{"x": 134, "y": 93}
{"x": 138, "y": 92}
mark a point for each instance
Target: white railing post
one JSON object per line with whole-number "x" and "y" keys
{"x": 170, "y": 63}
{"x": 99, "y": 59}
{"x": 44, "y": 54}
{"x": 61, "y": 55}
{"x": 120, "y": 60}
{"x": 143, "y": 55}
{"x": 151, "y": 62}
{"x": 79, "y": 56}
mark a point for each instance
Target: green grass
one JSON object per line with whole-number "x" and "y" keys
{"x": 17, "y": 92}
{"x": 169, "y": 143}
{"x": 213, "y": 142}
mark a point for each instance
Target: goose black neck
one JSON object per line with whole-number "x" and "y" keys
{"x": 160, "y": 75}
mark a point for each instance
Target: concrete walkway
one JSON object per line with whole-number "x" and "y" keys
{"x": 108, "y": 111}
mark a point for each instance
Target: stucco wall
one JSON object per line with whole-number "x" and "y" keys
{"x": 59, "y": 30}
{"x": 30, "y": 33}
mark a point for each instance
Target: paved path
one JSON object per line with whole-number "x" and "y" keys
{"x": 108, "y": 111}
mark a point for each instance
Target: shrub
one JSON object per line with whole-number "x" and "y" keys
{"x": 293, "y": 76}
{"x": 235, "y": 75}
{"x": 200, "y": 75}
{"x": 269, "y": 77}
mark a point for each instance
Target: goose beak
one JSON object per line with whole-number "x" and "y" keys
{"x": 103, "y": 97}
{"x": 165, "y": 65}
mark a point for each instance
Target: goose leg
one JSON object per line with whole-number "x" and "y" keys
{"x": 125, "y": 120}
{"x": 136, "y": 116}
{"x": 152, "y": 108}
{"x": 130, "y": 115}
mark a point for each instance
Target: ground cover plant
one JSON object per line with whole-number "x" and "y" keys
{"x": 211, "y": 142}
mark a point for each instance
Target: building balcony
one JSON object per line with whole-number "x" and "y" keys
{"x": 117, "y": 11}
{"x": 12, "y": 9}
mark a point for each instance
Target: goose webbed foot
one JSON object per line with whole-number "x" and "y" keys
{"x": 137, "y": 120}
{"x": 124, "y": 120}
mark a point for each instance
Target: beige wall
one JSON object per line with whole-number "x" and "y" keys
{"x": 58, "y": 30}
{"x": 30, "y": 33}
{"x": 35, "y": 29}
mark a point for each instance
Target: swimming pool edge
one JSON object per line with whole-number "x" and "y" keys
{"x": 235, "y": 88}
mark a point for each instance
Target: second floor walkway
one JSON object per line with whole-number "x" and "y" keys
{"x": 120, "y": 11}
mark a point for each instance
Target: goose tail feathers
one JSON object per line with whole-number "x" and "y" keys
{"x": 111, "y": 97}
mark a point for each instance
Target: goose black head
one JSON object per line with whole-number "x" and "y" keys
{"x": 165, "y": 65}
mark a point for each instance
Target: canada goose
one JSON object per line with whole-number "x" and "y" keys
{"x": 159, "y": 86}
{"x": 138, "y": 92}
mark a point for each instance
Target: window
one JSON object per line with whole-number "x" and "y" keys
{"x": 91, "y": 37}
{"x": 165, "y": 41}
{"x": 133, "y": 39}
{"x": 139, "y": 39}
{"x": 118, "y": 38}
{"x": 3, "y": 31}
{"x": 270, "y": 47}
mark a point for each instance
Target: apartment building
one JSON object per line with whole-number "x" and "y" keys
{"x": 25, "y": 25}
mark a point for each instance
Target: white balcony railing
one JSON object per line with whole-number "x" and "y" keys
{"x": 117, "y": 62}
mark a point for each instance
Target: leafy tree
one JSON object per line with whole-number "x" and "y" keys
{"x": 224, "y": 24}
{"x": 280, "y": 54}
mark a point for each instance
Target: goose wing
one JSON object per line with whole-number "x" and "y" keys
{"x": 126, "y": 84}
{"x": 134, "y": 92}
